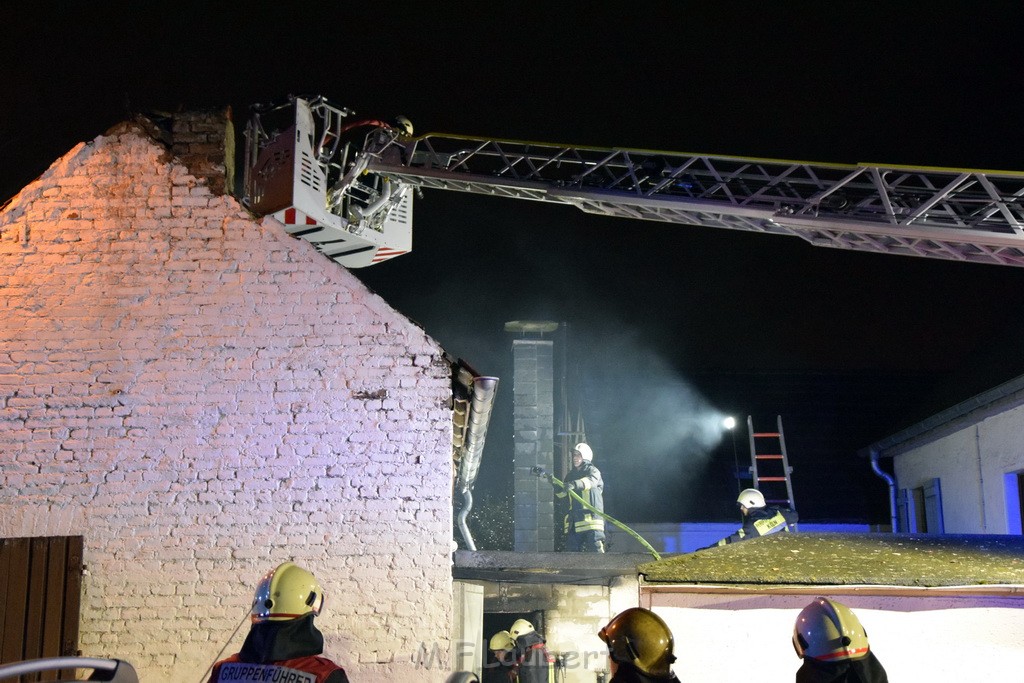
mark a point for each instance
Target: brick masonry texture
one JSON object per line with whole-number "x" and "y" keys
{"x": 202, "y": 396}
{"x": 533, "y": 416}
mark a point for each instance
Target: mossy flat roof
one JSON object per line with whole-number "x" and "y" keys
{"x": 815, "y": 559}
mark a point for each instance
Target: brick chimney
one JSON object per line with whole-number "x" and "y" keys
{"x": 203, "y": 140}
{"x": 533, "y": 414}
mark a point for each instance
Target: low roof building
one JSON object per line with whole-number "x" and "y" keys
{"x": 934, "y": 607}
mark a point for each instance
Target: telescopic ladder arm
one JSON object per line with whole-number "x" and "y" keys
{"x": 960, "y": 215}
{"x": 346, "y": 187}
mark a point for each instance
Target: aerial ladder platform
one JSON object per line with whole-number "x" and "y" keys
{"x": 769, "y": 464}
{"x": 346, "y": 185}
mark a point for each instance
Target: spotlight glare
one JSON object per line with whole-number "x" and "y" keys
{"x": 729, "y": 422}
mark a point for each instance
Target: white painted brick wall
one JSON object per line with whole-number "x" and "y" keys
{"x": 201, "y": 397}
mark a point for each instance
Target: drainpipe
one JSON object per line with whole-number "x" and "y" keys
{"x": 480, "y": 407}
{"x": 981, "y": 478}
{"x": 467, "y": 505}
{"x": 892, "y": 488}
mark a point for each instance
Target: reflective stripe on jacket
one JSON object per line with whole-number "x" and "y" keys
{"x": 762, "y": 522}
{"x": 587, "y": 482}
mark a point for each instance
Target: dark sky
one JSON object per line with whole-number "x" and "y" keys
{"x": 669, "y": 325}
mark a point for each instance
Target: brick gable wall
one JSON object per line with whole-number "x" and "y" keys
{"x": 202, "y": 397}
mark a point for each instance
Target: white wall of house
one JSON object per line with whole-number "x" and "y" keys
{"x": 737, "y": 636}
{"x": 573, "y": 625}
{"x": 202, "y": 397}
{"x": 972, "y": 465}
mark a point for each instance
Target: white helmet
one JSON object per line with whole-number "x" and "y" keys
{"x": 520, "y": 628}
{"x": 584, "y": 450}
{"x": 751, "y": 498}
{"x": 829, "y": 631}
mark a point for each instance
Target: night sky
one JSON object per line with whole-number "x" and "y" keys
{"x": 670, "y": 327}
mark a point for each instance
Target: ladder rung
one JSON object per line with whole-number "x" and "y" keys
{"x": 776, "y": 454}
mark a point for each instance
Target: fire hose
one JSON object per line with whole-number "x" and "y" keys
{"x": 555, "y": 481}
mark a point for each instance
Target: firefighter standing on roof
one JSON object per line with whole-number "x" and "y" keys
{"x": 584, "y": 529}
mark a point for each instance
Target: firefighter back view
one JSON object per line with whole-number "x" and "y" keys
{"x": 283, "y": 642}
{"x": 532, "y": 657}
{"x": 640, "y": 647}
{"x": 830, "y": 639}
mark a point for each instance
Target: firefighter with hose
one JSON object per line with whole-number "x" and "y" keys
{"x": 584, "y": 488}
{"x": 584, "y": 525}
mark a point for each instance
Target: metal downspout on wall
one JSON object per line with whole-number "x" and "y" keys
{"x": 981, "y": 478}
{"x": 467, "y": 505}
{"x": 892, "y": 489}
{"x": 480, "y": 407}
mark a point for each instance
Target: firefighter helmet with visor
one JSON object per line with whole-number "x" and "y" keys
{"x": 829, "y": 631}
{"x": 751, "y": 498}
{"x": 502, "y": 640}
{"x": 286, "y": 592}
{"x": 520, "y": 627}
{"x": 641, "y": 638}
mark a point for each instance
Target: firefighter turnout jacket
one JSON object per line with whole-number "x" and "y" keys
{"x": 866, "y": 669}
{"x": 533, "y": 661}
{"x": 586, "y": 481}
{"x": 286, "y": 651}
{"x": 761, "y": 522}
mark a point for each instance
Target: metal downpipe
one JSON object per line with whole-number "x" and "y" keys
{"x": 467, "y": 505}
{"x": 481, "y": 403}
{"x": 892, "y": 489}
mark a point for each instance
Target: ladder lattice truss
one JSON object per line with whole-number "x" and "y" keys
{"x": 961, "y": 215}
